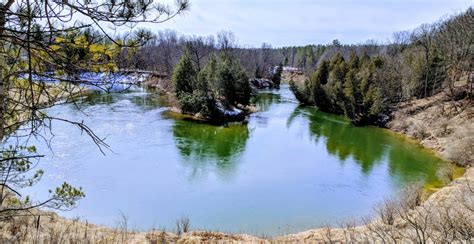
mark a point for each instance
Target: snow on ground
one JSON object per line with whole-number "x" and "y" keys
{"x": 228, "y": 111}
{"x": 104, "y": 81}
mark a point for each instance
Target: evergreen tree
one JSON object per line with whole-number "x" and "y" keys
{"x": 184, "y": 76}
{"x": 220, "y": 81}
{"x": 191, "y": 90}
{"x": 277, "y": 76}
{"x": 351, "y": 88}
{"x": 209, "y": 74}
{"x": 334, "y": 87}
{"x": 226, "y": 82}
{"x": 354, "y": 61}
{"x": 242, "y": 86}
{"x": 302, "y": 94}
{"x": 351, "y": 94}
{"x": 318, "y": 80}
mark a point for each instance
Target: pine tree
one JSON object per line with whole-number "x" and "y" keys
{"x": 191, "y": 90}
{"x": 277, "y": 76}
{"x": 184, "y": 76}
{"x": 301, "y": 93}
{"x": 226, "y": 82}
{"x": 286, "y": 61}
{"x": 318, "y": 80}
{"x": 351, "y": 88}
{"x": 242, "y": 85}
{"x": 209, "y": 74}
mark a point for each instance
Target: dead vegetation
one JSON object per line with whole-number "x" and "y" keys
{"x": 161, "y": 83}
{"x": 50, "y": 228}
{"x": 296, "y": 76}
{"x": 439, "y": 123}
{"x": 182, "y": 226}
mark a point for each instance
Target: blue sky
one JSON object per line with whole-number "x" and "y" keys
{"x": 300, "y": 22}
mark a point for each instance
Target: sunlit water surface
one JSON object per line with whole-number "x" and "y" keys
{"x": 288, "y": 169}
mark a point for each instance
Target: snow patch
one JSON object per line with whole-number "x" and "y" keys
{"x": 228, "y": 111}
{"x": 115, "y": 81}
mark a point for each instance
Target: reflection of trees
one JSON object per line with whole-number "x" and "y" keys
{"x": 204, "y": 146}
{"x": 264, "y": 100}
{"x": 407, "y": 163}
{"x": 96, "y": 97}
{"x": 368, "y": 146}
{"x": 344, "y": 140}
{"x": 142, "y": 100}
{"x": 149, "y": 101}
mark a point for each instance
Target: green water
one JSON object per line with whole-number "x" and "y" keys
{"x": 287, "y": 169}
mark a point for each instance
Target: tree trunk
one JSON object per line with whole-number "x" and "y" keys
{"x": 2, "y": 96}
{"x": 3, "y": 79}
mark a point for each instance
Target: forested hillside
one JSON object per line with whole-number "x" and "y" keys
{"x": 367, "y": 86}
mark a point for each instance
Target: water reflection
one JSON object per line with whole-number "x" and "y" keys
{"x": 264, "y": 100}
{"x": 369, "y": 146}
{"x": 204, "y": 146}
{"x": 137, "y": 96}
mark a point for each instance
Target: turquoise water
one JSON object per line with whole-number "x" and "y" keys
{"x": 288, "y": 169}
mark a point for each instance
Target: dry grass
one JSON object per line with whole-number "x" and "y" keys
{"x": 50, "y": 228}
{"x": 297, "y": 77}
{"x": 160, "y": 83}
{"x": 440, "y": 124}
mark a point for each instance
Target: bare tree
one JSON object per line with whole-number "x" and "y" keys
{"x": 226, "y": 42}
{"x": 423, "y": 36}
{"x": 455, "y": 39}
{"x": 199, "y": 49}
{"x": 182, "y": 225}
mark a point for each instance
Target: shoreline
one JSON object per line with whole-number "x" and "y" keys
{"x": 241, "y": 118}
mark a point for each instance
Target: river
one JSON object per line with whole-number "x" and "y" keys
{"x": 288, "y": 169}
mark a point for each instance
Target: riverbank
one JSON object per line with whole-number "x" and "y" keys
{"x": 228, "y": 115}
{"x": 440, "y": 124}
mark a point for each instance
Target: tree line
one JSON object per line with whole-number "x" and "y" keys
{"x": 164, "y": 49}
